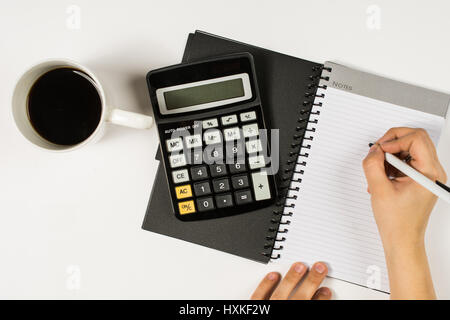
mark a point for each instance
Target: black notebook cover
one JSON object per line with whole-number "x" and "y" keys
{"x": 283, "y": 81}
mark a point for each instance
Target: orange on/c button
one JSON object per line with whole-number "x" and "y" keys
{"x": 183, "y": 191}
{"x": 186, "y": 207}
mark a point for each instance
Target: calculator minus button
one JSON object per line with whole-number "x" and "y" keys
{"x": 256, "y": 162}
{"x": 177, "y": 160}
{"x": 230, "y": 119}
{"x": 175, "y": 144}
{"x": 210, "y": 123}
{"x": 180, "y": 176}
{"x": 248, "y": 116}
{"x": 261, "y": 185}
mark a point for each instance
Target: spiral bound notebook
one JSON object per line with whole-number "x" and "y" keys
{"x": 323, "y": 213}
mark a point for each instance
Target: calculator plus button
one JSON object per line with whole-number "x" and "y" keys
{"x": 210, "y": 123}
{"x": 177, "y": 160}
{"x": 243, "y": 197}
{"x": 199, "y": 173}
{"x": 256, "y": 162}
{"x": 237, "y": 168}
{"x": 175, "y": 144}
{"x": 248, "y": 116}
{"x": 183, "y": 191}
{"x": 212, "y": 136}
{"x": 202, "y": 188}
{"x": 231, "y": 134}
{"x": 253, "y": 146}
{"x": 205, "y": 204}
{"x": 240, "y": 182}
{"x": 224, "y": 200}
{"x": 250, "y": 130}
{"x": 218, "y": 170}
{"x": 180, "y": 176}
{"x": 227, "y": 120}
{"x": 193, "y": 141}
{"x": 221, "y": 185}
{"x": 186, "y": 207}
{"x": 261, "y": 185}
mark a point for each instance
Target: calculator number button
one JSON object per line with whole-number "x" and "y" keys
{"x": 202, "y": 189}
{"x": 231, "y": 134}
{"x": 210, "y": 123}
{"x": 199, "y": 173}
{"x": 248, "y": 116}
{"x": 196, "y": 157}
{"x": 256, "y": 162}
{"x": 237, "y": 168}
{"x": 186, "y": 207}
{"x": 205, "y": 204}
{"x": 253, "y": 146}
{"x": 183, "y": 191}
{"x": 261, "y": 185}
{"x": 230, "y": 119}
{"x": 212, "y": 137}
{"x": 180, "y": 176}
{"x": 194, "y": 141}
{"x": 177, "y": 160}
{"x": 235, "y": 150}
{"x": 218, "y": 170}
{"x": 243, "y": 197}
{"x": 221, "y": 185}
{"x": 239, "y": 182}
{"x": 213, "y": 154}
{"x": 224, "y": 200}
{"x": 250, "y": 130}
{"x": 175, "y": 144}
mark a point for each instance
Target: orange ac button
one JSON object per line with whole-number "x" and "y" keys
{"x": 186, "y": 207}
{"x": 183, "y": 191}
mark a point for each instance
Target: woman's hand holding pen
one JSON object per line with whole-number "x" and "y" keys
{"x": 402, "y": 207}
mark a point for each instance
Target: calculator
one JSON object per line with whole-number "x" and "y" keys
{"x": 213, "y": 138}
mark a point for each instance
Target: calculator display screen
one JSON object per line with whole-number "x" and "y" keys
{"x": 202, "y": 94}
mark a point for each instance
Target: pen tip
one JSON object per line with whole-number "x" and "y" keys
{"x": 370, "y": 144}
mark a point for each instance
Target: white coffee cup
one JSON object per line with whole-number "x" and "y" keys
{"x": 108, "y": 114}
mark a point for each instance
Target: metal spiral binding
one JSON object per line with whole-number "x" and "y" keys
{"x": 291, "y": 178}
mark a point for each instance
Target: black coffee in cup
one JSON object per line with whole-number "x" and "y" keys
{"x": 64, "y": 106}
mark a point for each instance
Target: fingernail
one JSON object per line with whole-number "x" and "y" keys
{"x": 373, "y": 148}
{"x": 272, "y": 276}
{"x": 325, "y": 291}
{"x": 299, "y": 268}
{"x": 319, "y": 267}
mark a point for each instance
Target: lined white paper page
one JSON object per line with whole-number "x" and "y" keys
{"x": 332, "y": 219}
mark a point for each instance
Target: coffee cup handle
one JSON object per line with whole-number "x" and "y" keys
{"x": 129, "y": 119}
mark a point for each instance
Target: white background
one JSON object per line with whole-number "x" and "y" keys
{"x": 83, "y": 210}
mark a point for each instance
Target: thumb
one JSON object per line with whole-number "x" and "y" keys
{"x": 375, "y": 171}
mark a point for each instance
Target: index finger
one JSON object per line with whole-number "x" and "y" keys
{"x": 395, "y": 133}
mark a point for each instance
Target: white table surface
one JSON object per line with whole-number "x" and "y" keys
{"x": 77, "y": 216}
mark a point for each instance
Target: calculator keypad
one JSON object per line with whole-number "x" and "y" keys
{"x": 219, "y": 171}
